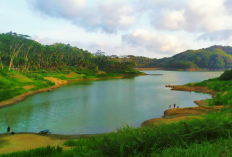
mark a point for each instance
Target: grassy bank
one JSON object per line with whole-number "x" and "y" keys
{"x": 224, "y": 89}
{"x": 184, "y": 138}
{"x": 14, "y": 83}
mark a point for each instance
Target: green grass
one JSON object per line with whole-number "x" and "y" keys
{"x": 71, "y": 143}
{"x": 11, "y": 86}
{"x": 219, "y": 86}
{"x": 218, "y": 148}
{"x": 22, "y": 79}
{"x": 184, "y": 138}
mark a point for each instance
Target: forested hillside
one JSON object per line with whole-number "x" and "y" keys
{"x": 20, "y": 52}
{"x": 26, "y": 66}
{"x": 214, "y": 57}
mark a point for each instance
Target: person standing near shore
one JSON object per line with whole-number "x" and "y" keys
{"x": 174, "y": 105}
{"x": 170, "y": 106}
{"x": 8, "y": 129}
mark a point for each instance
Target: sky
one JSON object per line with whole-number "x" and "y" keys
{"x": 149, "y": 28}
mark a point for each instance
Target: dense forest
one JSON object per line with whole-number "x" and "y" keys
{"x": 214, "y": 57}
{"x": 20, "y": 52}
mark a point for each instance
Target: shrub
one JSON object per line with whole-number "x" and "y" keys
{"x": 227, "y": 75}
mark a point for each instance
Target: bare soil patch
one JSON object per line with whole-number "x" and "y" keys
{"x": 156, "y": 121}
{"x": 19, "y": 142}
{"x": 101, "y": 72}
{"x": 56, "y": 80}
{"x": 72, "y": 74}
{"x": 28, "y": 87}
{"x": 26, "y": 141}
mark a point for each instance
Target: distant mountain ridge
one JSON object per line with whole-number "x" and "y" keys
{"x": 213, "y": 58}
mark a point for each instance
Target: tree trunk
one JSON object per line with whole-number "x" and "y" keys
{"x": 14, "y": 53}
{"x": 26, "y": 61}
{"x": 1, "y": 62}
{"x": 11, "y": 61}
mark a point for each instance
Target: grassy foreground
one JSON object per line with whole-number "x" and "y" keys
{"x": 209, "y": 136}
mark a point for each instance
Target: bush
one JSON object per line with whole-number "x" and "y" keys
{"x": 227, "y": 75}
{"x": 71, "y": 143}
{"x": 3, "y": 73}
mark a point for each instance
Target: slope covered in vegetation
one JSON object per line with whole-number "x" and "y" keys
{"x": 214, "y": 57}
{"x": 22, "y": 53}
{"x": 24, "y": 64}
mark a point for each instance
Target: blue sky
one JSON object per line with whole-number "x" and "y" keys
{"x": 150, "y": 28}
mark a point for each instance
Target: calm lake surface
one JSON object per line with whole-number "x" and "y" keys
{"x": 90, "y": 107}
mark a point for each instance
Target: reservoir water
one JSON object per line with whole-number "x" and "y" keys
{"x": 90, "y": 107}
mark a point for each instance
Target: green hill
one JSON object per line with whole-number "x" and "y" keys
{"x": 212, "y": 58}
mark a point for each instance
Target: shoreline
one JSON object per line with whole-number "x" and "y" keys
{"x": 176, "y": 114}
{"x": 58, "y": 83}
{"x": 54, "y": 136}
{"x": 19, "y": 98}
{"x": 30, "y": 140}
{"x": 170, "y": 115}
{"x": 188, "y": 69}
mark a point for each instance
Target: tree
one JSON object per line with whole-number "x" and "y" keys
{"x": 227, "y": 75}
{"x": 15, "y": 45}
{"x": 1, "y": 59}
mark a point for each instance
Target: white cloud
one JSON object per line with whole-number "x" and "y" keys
{"x": 154, "y": 42}
{"x": 211, "y": 15}
{"x": 157, "y": 28}
{"x": 190, "y": 15}
{"x": 109, "y": 17}
{"x": 117, "y": 13}
{"x": 58, "y": 8}
{"x": 170, "y": 20}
